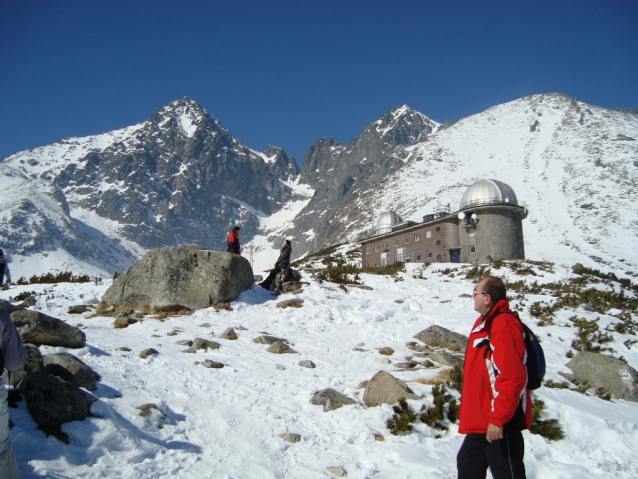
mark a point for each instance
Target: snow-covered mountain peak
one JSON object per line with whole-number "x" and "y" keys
{"x": 403, "y": 120}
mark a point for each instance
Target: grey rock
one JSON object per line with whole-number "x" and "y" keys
{"x": 307, "y": 364}
{"x": 337, "y": 471}
{"x": 184, "y": 342}
{"x": 384, "y": 360}
{"x": 29, "y": 302}
{"x": 52, "y": 401}
{"x": 406, "y": 365}
{"x": 446, "y": 359}
{"x": 181, "y": 277}
{"x": 361, "y": 286}
{"x": 386, "y": 351}
{"x": 291, "y": 303}
{"x": 40, "y": 329}
{"x": 265, "y": 339}
{"x": 280, "y": 367}
{"x": 440, "y": 337}
{"x": 8, "y": 307}
{"x": 291, "y": 287}
{"x": 199, "y": 343}
{"x": 71, "y": 369}
{"x": 384, "y": 388}
{"x": 121, "y": 323}
{"x": 207, "y": 363}
{"x": 229, "y": 333}
{"x": 258, "y": 278}
{"x": 148, "y": 352}
{"x": 363, "y": 384}
{"x": 78, "y": 309}
{"x": 330, "y": 399}
{"x": 290, "y": 437}
{"x": 578, "y": 268}
{"x": 33, "y": 363}
{"x": 279, "y": 347}
{"x": 189, "y": 350}
{"x": 616, "y": 376}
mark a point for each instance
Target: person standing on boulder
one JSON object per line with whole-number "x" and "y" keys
{"x": 233, "y": 241}
{"x": 4, "y": 270}
{"x": 13, "y": 356}
{"x": 495, "y": 402}
{"x": 282, "y": 263}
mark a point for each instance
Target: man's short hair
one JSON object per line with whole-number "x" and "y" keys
{"x": 288, "y": 242}
{"x": 495, "y": 288}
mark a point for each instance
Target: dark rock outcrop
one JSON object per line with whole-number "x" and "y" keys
{"x": 616, "y": 376}
{"x": 71, "y": 369}
{"x": 37, "y": 328}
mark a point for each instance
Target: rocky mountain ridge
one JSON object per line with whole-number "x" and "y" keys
{"x": 180, "y": 177}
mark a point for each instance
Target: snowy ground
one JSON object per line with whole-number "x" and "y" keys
{"x": 224, "y": 423}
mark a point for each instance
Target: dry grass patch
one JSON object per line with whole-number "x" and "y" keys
{"x": 444, "y": 377}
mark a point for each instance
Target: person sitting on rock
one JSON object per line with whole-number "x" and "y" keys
{"x": 282, "y": 263}
{"x": 233, "y": 241}
{"x": 287, "y": 274}
{"x": 4, "y": 271}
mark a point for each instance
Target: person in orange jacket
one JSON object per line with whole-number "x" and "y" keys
{"x": 233, "y": 241}
{"x": 495, "y": 402}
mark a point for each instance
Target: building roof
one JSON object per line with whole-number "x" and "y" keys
{"x": 485, "y": 192}
{"x": 386, "y": 221}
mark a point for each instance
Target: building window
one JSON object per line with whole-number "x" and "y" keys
{"x": 517, "y": 248}
{"x": 417, "y": 237}
{"x": 376, "y": 247}
{"x": 418, "y": 257}
{"x": 386, "y": 245}
{"x": 439, "y": 257}
{"x": 514, "y": 215}
{"x": 367, "y": 250}
{"x": 396, "y": 242}
{"x": 472, "y": 249}
{"x": 406, "y": 240}
{"x": 438, "y": 242}
{"x": 516, "y": 233}
{"x": 438, "y": 228}
{"x": 428, "y": 234}
{"x": 428, "y": 255}
{"x": 407, "y": 260}
{"x": 471, "y": 232}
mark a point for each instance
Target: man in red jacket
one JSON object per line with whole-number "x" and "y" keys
{"x": 495, "y": 402}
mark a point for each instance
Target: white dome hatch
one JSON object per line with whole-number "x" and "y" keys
{"x": 386, "y": 221}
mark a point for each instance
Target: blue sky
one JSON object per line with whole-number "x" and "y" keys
{"x": 289, "y": 72}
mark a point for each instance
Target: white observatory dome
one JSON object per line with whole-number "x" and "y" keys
{"x": 386, "y": 221}
{"x": 486, "y": 192}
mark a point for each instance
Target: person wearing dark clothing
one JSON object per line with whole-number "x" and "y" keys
{"x": 282, "y": 263}
{"x": 233, "y": 241}
{"x": 14, "y": 356}
{"x": 495, "y": 402}
{"x": 4, "y": 270}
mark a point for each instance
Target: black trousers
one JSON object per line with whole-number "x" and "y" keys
{"x": 271, "y": 277}
{"x": 504, "y": 457}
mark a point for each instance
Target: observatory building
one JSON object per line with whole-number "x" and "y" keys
{"x": 487, "y": 226}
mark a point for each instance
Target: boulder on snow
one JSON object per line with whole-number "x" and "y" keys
{"x": 37, "y": 328}
{"x": 33, "y": 363}
{"x": 440, "y": 337}
{"x": 71, "y": 369}
{"x": 181, "y": 277}
{"x": 330, "y": 399}
{"x": 52, "y": 401}
{"x": 385, "y": 388}
{"x": 616, "y": 376}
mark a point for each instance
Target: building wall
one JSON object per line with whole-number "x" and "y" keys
{"x": 498, "y": 234}
{"x": 427, "y": 242}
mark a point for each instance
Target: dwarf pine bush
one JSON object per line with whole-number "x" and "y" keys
{"x": 548, "y": 428}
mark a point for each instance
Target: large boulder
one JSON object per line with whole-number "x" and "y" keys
{"x": 440, "y": 337}
{"x": 52, "y": 402}
{"x": 384, "y": 388}
{"x": 71, "y": 369}
{"x": 616, "y": 376}
{"x": 37, "y": 328}
{"x": 33, "y": 363}
{"x": 8, "y": 307}
{"x": 181, "y": 277}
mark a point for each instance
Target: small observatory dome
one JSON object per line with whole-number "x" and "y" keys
{"x": 486, "y": 192}
{"x": 386, "y": 221}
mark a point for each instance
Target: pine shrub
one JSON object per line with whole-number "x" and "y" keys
{"x": 548, "y": 428}
{"x": 401, "y": 421}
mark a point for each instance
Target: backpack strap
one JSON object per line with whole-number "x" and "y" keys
{"x": 488, "y": 328}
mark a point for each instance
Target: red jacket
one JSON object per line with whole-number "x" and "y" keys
{"x": 233, "y": 243}
{"x": 495, "y": 377}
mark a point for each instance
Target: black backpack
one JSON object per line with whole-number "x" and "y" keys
{"x": 535, "y": 363}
